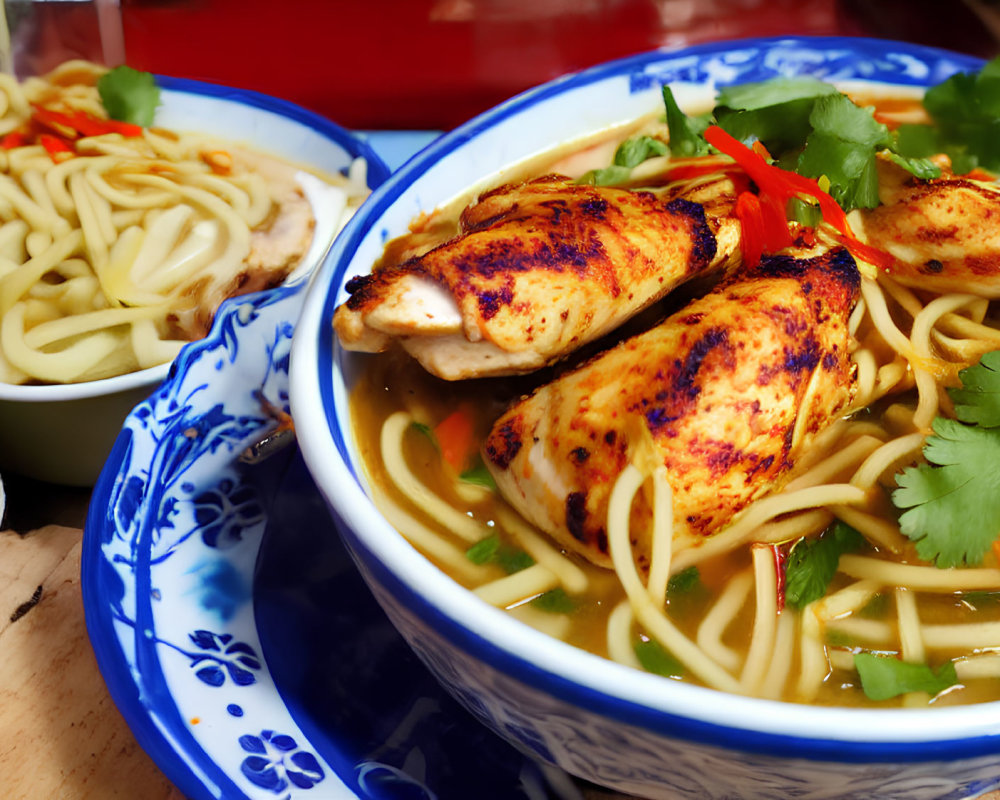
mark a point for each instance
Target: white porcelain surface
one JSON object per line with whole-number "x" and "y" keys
{"x": 622, "y": 728}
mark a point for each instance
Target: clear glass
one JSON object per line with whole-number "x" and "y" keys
{"x": 38, "y": 35}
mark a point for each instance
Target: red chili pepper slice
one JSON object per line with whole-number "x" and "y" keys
{"x": 58, "y": 149}
{"x": 777, "y": 186}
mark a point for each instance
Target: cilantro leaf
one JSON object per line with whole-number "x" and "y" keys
{"x": 606, "y": 176}
{"x": 761, "y": 94}
{"x": 922, "y": 168}
{"x": 493, "y": 551}
{"x": 684, "y": 582}
{"x": 779, "y": 128}
{"x": 483, "y": 551}
{"x": 883, "y": 677}
{"x": 842, "y": 146}
{"x": 978, "y": 400}
{"x": 837, "y": 115}
{"x": 478, "y": 475}
{"x": 425, "y": 430}
{"x": 656, "y": 659}
{"x": 686, "y": 137}
{"x": 634, "y": 151}
{"x": 812, "y": 563}
{"x": 966, "y": 109}
{"x": 555, "y": 601}
{"x": 129, "y": 95}
{"x": 952, "y": 503}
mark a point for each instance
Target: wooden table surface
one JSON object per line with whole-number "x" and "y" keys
{"x": 61, "y": 736}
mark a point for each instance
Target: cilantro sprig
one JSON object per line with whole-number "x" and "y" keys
{"x": 491, "y": 550}
{"x": 809, "y": 127}
{"x": 966, "y": 113}
{"x": 812, "y": 563}
{"x": 951, "y": 504}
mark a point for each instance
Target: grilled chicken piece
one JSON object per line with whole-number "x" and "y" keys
{"x": 943, "y": 232}
{"x": 732, "y": 388}
{"x": 538, "y": 270}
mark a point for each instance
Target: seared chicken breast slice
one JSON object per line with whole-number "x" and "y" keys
{"x": 538, "y": 270}
{"x": 731, "y": 389}
{"x": 943, "y": 232}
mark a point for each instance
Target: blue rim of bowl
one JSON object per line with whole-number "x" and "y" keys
{"x": 163, "y": 749}
{"x": 378, "y": 172}
{"x": 319, "y": 375}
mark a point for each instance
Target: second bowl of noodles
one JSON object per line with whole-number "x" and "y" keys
{"x": 121, "y": 240}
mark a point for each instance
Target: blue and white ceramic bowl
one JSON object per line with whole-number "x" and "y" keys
{"x": 612, "y": 725}
{"x": 63, "y": 433}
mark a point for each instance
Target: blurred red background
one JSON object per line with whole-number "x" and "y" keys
{"x": 431, "y": 64}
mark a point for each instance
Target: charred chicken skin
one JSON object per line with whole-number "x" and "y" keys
{"x": 731, "y": 390}
{"x": 537, "y": 270}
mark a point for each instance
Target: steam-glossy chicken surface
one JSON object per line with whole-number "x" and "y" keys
{"x": 538, "y": 270}
{"x": 943, "y": 232}
{"x": 731, "y": 388}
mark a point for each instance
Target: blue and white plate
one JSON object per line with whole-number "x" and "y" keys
{"x": 232, "y": 629}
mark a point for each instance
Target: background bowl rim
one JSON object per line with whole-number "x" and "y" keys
{"x": 350, "y": 143}
{"x": 730, "y": 721}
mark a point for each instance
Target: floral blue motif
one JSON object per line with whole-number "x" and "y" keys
{"x": 223, "y": 512}
{"x": 224, "y": 655}
{"x": 275, "y": 760}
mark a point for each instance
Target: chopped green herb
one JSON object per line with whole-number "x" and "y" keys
{"x": 686, "y": 137}
{"x": 479, "y": 475}
{"x": 966, "y": 110}
{"x": 425, "y": 430}
{"x": 836, "y": 638}
{"x": 687, "y": 580}
{"x": 129, "y": 95}
{"x": 812, "y": 563}
{"x": 808, "y": 214}
{"x": 762, "y": 94}
{"x": 978, "y": 399}
{"x": 555, "y": 601}
{"x": 922, "y": 168}
{"x": 632, "y": 152}
{"x": 877, "y": 607}
{"x": 952, "y": 503}
{"x": 484, "y": 551}
{"x": 607, "y": 176}
{"x": 512, "y": 560}
{"x": 656, "y": 659}
{"x": 884, "y": 677}
{"x": 493, "y": 551}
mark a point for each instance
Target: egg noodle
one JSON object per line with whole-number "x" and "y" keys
{"x": 115, "y": 253}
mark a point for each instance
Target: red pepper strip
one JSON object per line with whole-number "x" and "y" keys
{"x": 58, "y": 149}
{"x": 14, "y": 139}
{"x": 55, "y": 121}
{"x": 89, "y": 125}
{"x": 684, "y": 172}
{"x": 778, "y": 186}
{"x": 83, "y": 123}
{"x": 779, "y": 568}
{"x": 751, "y": 218}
